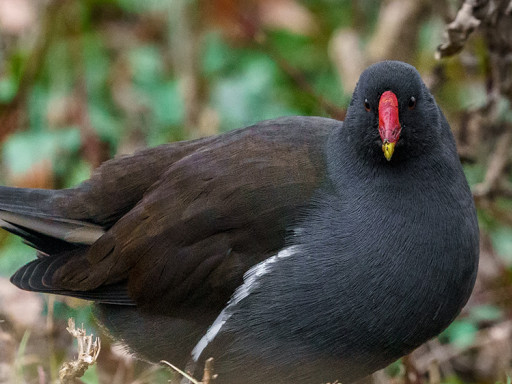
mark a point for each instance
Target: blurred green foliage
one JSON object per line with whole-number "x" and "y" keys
{"x": 107, "y": 71}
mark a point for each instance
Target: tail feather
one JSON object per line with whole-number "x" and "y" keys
{"x": 18, "y": 280}
{"x": 29, "y": 201}
{"x": 36, "y": 277}
{"x": 46, "y": 245}
{"x": 34, "y": 216}
{"x": 55, "y": 263}
{"x": 24, "y": 210}
{"x": 70, "y": 231}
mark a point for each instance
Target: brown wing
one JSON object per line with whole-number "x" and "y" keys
{"x": 189, "y": 219}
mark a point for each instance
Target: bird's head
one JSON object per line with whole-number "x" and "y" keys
{"x": 392, "y": 114}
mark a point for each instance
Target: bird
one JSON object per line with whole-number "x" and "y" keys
{"x": 297, "y": 250}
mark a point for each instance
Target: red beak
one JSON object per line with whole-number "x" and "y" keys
{"x": 389, "y": 124}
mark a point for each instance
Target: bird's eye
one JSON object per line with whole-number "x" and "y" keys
{"x": 412, "y": 102}
{"x": 367, "y": 105}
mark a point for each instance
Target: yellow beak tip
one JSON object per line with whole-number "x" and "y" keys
{"x": 388, "y": 149}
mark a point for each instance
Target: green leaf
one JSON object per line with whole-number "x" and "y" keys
{"x": 58, "y": 72}
{"x": 485, "y": 313}
{"x": 37, "y": 108}
{"x": 8, "y": 89}
{"x": 299, "y": 50}
{"x": 81, "y": 314}
{"x": 147, "y": 65}
{"x": 460, "y": 333}
{"x": 339, "y": 13}
{"x": 80, "y": 171}
{"x": 394, "y": 369}
{"x": 475, "y": 173}
{"x": 25, "y": 149}
{"x": 143, "y": 6}
{"x": 107, "y": 126}
{"x": 217, "y": 55}
{"x": 502, "y": 241}
{"x": 250, "y": 95}
{"x": 13, "y": 255}
{"x": 472, "y": 95}
{"x": 453, "y": 379}
{"x": 430, "y": 34}
{"x": 167, "y": 104}
{"x": 97, "y": 65}
{"x": 327, "y": 84}
{"x": 91, "y": 375}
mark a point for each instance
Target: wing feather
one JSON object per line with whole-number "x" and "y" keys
{"x": 186, "y": 232}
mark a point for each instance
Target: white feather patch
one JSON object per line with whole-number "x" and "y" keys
{"x": 250, "y": 283}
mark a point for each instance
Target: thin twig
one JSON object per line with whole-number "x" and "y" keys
{"x": 208, "y": 375}
{"x": 182, "y": 373}
{"x": 458, "y": 31}
{"x": 497, "y": 165}
{"x": 88, "y": 351}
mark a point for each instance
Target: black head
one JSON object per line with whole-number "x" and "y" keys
{"x": 392, "y": 116}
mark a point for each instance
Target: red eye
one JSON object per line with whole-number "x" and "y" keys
{"x": 367, "y": 105}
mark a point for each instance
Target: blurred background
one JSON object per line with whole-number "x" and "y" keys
{"x": 82, "y": 81}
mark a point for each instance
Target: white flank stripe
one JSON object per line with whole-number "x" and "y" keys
{"x": 250, "y": 282}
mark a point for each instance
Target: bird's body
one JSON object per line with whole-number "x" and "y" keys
{"x": 351, "y": 258}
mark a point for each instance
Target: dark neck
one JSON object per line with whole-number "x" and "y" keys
{"x": 351, "y": 170}
{"x": 424, "y": 258}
